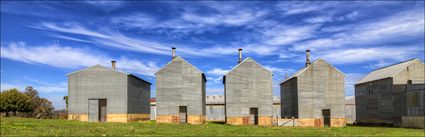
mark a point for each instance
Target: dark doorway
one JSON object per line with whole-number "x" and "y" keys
{"x": 253, "y": 116}
{"x": 326, "y": 117}
{"x": 102, "y": 110}
{"x": 183, "y": 114}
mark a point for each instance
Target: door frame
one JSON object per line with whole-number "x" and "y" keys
{"x": 326, "y": 118}
{"x": 185, "y": 113}
{"x": 98, "y": 106}
{"x": 254, "y": 111}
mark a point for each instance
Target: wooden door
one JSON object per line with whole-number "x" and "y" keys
{"x": 253, "y": 116}
{"x": 182, "y": 114}
{"x": 93, "y": 110}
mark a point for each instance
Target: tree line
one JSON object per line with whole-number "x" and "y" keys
{"x": 28, "y": 102}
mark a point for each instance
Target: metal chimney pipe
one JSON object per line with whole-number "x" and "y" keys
{"x": 173, "y": 52}
{"x": 113, "y": 64}
{"x": 240, "y": 56}
{"x": 307, "y": 60}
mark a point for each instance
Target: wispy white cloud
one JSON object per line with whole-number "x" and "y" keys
{"x": 359, "y": 55}
{"x": 404, "y": 24}
{"x": 106, "y": 5}
{"x": 71, "y": 58}
{"x": 284, "y": 34}
{"x": 217, "y": 71}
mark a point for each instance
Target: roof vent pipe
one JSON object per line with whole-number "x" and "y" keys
{"x": 173, "y": 52}
{"x": 113, "y": 64}
{"x": 240, "y": 56}
{"x": 307, "y": 60}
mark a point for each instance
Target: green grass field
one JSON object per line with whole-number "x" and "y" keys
{"x": 34, "y": 127}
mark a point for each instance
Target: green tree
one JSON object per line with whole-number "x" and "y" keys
{"x": 15, "y": 101}
{"x": 42, "y": 108}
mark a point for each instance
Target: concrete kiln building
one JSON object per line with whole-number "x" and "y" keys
{"x": 393, "y": 95}
{"x": 100, "y": 94}
{"x": 248, "y": 93}
{"x": 180, "y": 92}
{"x": 314, "y": 95}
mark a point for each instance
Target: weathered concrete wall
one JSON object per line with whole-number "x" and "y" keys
{"x": 248, "y": 85}
{"x": 97, "y": 83}
{"x": 289, "y": 98}
{"x": 138, "y": 96}
{"x": 179, "y": 84}
{"x": 320, "y": 87}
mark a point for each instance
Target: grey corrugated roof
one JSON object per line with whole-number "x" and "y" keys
{"x": 386, "y": 72}
{"x": 248, "y": 58}
{"x": 178, "y": 57}
{"x": 299, "y": 72}
{"x": 109, "y": 69}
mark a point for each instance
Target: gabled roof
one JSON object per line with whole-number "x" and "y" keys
{"x": 108, "y": 69}
{"x": 386, "y": 72}
{"x": 248, "y": 58}
{"x": 301, "y": 71}
{"x": 180, "y": 58}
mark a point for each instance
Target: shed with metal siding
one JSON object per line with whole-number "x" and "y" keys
{"x": 248, "y": 94}
{"x": 103, "y": 94}
{"x": 180, "y": 97}
{"x": 392, "y": 95}
{"x": 315, "y": 95}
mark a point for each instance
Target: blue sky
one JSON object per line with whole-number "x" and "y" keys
{"x": 43, "y": 41}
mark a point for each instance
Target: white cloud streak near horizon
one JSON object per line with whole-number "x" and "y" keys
{"x": 59, "y": 56}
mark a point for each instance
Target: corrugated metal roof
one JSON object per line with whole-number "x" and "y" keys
{"x": 299, "y": 72}
{"x": 109, "y": 69}
{"x": 386, "y": 72}
{"x": 178, "y": 57}
{"x": 248, "y": 58}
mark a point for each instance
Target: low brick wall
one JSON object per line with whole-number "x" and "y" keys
{"x": 262, "y": 120}
{"x": 196, "y": 119}
{"x": 126, "y": 117}
{"x": 413, "y": 121}
{"x": 312, "y": 122}
{"x": 237, "y": 120}
{"x": 265, "y": 120}
{"x": 78, "y": 117}
{"x": 191, "y": 119}
{"x": 113, "y": 117}
{"x": 167, "y": 119}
